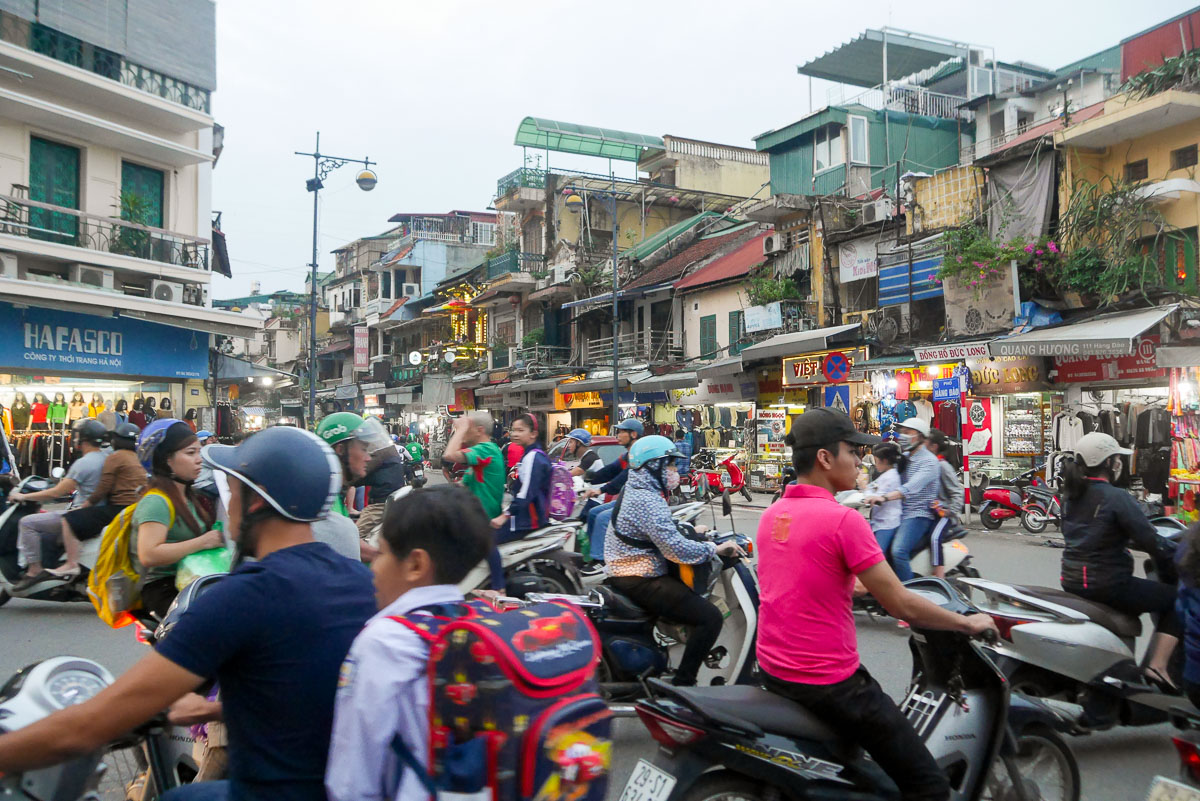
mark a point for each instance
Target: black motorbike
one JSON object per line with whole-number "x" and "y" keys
{"x": 745, "y": 742}
{"x": 69, "y": 590}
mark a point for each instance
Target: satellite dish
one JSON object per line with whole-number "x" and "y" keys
{"x": 887, "y": 330}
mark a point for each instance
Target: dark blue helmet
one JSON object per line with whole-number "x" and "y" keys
{"x": 292, "y": 469}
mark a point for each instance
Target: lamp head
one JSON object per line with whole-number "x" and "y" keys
{"x": 366, "y": 180}
{"x": 574, "y": 203}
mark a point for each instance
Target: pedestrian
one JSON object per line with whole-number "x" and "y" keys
{"x": 683, "y": 444}
{"x": 529, "y": 509}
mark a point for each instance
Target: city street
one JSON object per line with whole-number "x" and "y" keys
{"x": 1115, "y": 766}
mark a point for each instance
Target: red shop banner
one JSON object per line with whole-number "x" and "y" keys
{"x": 1138, "y": 366}
{"x": 977, "y": 427}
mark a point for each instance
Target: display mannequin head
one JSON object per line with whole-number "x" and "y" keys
{"x": 40, "y": 398}
{"x": 97, "y": 399}
{"x": 165, "y": 404}
{"x": 78, "y": 398}
{"x": 137, "y": 404}
{"x": 19, "y": 400}
{"x": 60, "y": 399}
{"x": 149, "y": 403}
{"x": 122, "y": 405}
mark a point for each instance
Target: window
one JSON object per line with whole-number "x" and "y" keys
{"x": 828, "y": 150}
{"x": 385, "y": 285}
{"x": 483, "y": 233}
{"x": 737, "y": 329}
{"x": 708, "y": 336}
{"x": 53, "y": 178}
{"x": 1183, "y": 157}
{"x": 1137, "y": 171}
{"x": 859, "y": 148}
{"x": 141, "y": 194}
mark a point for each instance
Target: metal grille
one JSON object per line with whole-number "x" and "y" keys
{"x": 921, "y": 709}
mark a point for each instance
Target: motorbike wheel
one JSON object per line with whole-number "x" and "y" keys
{"x": 989, "y": 522}
{"x": 776, "y": 496}
{"x": 1035, "y": 520}
{"x": 556, "y": 580}
{"x": 1037, "y": 683}
{"x": 4, "y": 596}
{"x": 727, "y": 787}
{"x": 1044, "y": 764}
{"x": 746, "y": 494}
{"x": 127, "y": 774}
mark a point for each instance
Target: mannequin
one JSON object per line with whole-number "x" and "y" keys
{"x": 150, "y": 411}
{"x": 38, "y": 413}
{"x": 58, "y": 411}
{"x": 122, "y": 411}
{"x": 96, "y": 406}
{"x": 20, "y": 413}
{"x": 136, "y": 415}
{"x": 78, "y": 408}
{"x": 189, "y": 417}
{"x": 164, "y": 408}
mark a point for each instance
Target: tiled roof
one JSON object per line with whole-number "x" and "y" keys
{"x": 732, "y": 265}
{"x": 672, "y": 268}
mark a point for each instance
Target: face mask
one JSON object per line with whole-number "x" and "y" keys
{"x": 672, "y": 478}
{"x": 908, "y": 441}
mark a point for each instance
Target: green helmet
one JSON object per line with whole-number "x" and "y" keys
{"x": 341, "y": 426}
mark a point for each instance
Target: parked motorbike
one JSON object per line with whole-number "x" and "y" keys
{"x": 745, "y": 742}
{"x": 712, "y": 477}
{"x": 1077, "y": 654}
{"x": 1006, "y": 500}
{"x": 66, "y": 590}
{"x": 1042, "y": 507}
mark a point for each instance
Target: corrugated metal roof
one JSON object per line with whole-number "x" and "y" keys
{"x": 1046, "y": 128}
{"x": 861, "y": 60}
{"x": 588, "y": 140}
{"x": 731, "y": 265}
{"x": 663, "y": 237}
{"x": 672, "y": 268}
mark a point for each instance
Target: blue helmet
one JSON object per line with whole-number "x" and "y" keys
{"x": 152, "y": 436}
{"x": 632, "y": 424}
{"x": 647, "y": 449}
{"x": 203, "y": 434}
{"x": 292, "y": 469}
{"x": 584, "y": 437}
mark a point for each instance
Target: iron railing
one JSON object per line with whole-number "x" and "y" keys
{"x": 514, "y": 261}
{"x": 911, "y": 100}
{"x": 63, "y": 226}
{"x": 542, "y": 356}
{"x": 657, "y": 346}
{"x": 522, "y": 176}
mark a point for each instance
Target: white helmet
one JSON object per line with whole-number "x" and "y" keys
{"x": 916, "y": 424}
{"x": 1096, "y": 448}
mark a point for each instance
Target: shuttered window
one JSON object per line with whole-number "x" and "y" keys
{"x": 708, "y": 336}
{"x": 737, "y": 328}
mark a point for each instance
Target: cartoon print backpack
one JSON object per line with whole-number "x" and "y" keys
{"x": 562, "y": 491}
{"x": 514, "y": 712}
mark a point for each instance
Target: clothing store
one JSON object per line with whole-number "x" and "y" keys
{"x": 1183, "y": 403}
{"x": 57, "y": 367}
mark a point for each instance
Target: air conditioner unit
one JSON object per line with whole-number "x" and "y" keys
{"x": 880, "y": 210}
{"x": 773, "y": 243}
{"x": 170, "y": 291}
{"x": 91, "y": 276}
{"x": 411, "y": 290}
{"x": 8, "y": 266}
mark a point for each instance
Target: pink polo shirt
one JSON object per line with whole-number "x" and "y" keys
{"x": 809, "y": 550}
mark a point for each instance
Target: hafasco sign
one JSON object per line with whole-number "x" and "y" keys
{"x": 64, "y": 339}
{"x": 824, "y": 368}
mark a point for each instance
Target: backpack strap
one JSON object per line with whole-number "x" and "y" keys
{"x": 443, "y": 613}
{"x": 632, "y": 542}
{"x": 166, "y": 499}
{"x": 407, "y": 762}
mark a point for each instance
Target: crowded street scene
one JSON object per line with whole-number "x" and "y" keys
{"x": 532, "y": 402}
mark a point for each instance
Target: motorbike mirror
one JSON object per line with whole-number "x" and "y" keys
{"x": 726, "y": 504}
{"x": 58, "y": 472}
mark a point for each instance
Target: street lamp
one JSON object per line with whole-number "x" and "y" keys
{"x": 575, "y": 205}
{"x": 366, "y": 180}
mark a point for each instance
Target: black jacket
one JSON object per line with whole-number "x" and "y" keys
{"x": 614, "y": 473}
{"x": 1099, "y": 528}
{"x": 386, "y": 473}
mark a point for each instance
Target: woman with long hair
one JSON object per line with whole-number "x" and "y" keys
{"x": 167, "y": 522}
{"x": 1100, "y": 524}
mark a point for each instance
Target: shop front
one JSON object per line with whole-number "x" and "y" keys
{"x": 57, "y": 367}
{"x": 1009, "y": 412}
{"x": 1183, "y": 402}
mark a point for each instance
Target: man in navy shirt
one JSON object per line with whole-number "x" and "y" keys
{"x": 273, "y": 634}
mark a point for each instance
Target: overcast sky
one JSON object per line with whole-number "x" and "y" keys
{"x": 434, "y": 91}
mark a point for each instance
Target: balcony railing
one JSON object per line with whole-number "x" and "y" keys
{"x": 542, "y": 356}
{"x": 522, "y": 176}
{"x": 659, "y": 346}
{"x": 514, "y": 261}
{"x": 911, "y": 100}
{"x": 63, "y": 226}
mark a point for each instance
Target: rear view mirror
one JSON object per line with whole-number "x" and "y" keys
{"x": 726, "y": 504}
{"x": 58, "y": 472}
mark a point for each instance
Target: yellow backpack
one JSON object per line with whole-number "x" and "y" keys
{"x": 114, "y": 583}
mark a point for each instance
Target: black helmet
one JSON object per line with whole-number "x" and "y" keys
{"x": 124, "y": 436}
{"x": 89, "y": 430}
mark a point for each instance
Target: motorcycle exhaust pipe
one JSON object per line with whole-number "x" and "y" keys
{"x": 622, "y": 710}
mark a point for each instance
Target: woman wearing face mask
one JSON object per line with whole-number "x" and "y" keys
{"x": 1100, "y": 523}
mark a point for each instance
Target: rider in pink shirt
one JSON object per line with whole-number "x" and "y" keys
{"x": 810, "y": 551}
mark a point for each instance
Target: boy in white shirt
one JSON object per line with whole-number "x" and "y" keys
{"x": 430, "y": 539}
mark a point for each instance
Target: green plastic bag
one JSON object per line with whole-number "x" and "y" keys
{"x": 202, "y": 563}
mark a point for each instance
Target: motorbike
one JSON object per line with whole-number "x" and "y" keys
{"x": 543, "y": 561}
{"x": 1042, "y": 507}
{"x": 1007, "y": 501}
{"x": 64, "y": 590}
{"x": 711, "y": 477}
{"x": 957, "y": 556}
{"x": 747, "y": 743}
{"x": 635, "y": 645}
{"x": 789, "y": 475}
{"x": 1187, "y": 745}
{"x": 1079, "y": 655}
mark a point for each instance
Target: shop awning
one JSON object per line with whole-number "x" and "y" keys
{"x": 797, "y": 344}
{"x": 346, "y": 392}
{"x": 661, "y": 383}
{"x": 1178, "y": 356}
{"x": 231, "y": 369}
{"x": 337, "y": 347}
{"x": 722, "y": 367}
{"x": 1106, "y": 335}
{"x": 588, "y": 140}
{"x": 593, "y": 385}
{"x": 541, "y": 384}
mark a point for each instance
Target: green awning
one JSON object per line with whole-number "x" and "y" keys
{"x": 656, "y": 241}
{"x": 567, "y": 137}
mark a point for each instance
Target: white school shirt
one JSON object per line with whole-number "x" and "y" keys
{"x": 383, "y": 690}
{"x": 885, "y": 516}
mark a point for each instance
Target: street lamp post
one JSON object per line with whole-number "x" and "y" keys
{"x": 366, "y": 180}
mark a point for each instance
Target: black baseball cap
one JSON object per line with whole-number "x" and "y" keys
{"x": 825, "y": 427}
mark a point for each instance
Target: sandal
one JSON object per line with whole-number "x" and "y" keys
{"x": 1160, "y": 682}
{"x": 67, "y": 573}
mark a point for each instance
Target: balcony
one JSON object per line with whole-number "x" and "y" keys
{"x": 542, "y": 356}
{"x": 659, "y": 347}
{"x": 521, "y": 190}
{"x": 58, "y": 225}
{"x": 910, "y": 100}
{"x": 514, "y": 261}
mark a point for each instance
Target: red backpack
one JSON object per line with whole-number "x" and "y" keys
{"x": 514, "y": 707}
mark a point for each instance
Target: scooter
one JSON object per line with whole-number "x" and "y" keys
{"x": 65, "y": 590}
{"x": 543, "y": 561}
{"x": 1187, "y": 745}
{"x": 956, "y": 555}
{"x": 711, "y": 480}
{"x": 1006, "y": 501}
{"x": 1077, "y": 654}
{"x": 747, "y": 743}
{"x": 635, "y": 645}
{"x": 1042, "y": 507}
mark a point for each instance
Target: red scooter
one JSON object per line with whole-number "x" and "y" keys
{"x": 1007, "y": 502}
{"x": 711, "y": 481}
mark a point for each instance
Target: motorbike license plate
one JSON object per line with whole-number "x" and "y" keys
{"x": 1164, "y": 789}
{"x": 648, "y": 783}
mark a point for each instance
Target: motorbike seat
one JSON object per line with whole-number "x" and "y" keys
{"x": 620, "y": 606}
{"x": 770, "y": 712}
{"x": 1118, "y": 623}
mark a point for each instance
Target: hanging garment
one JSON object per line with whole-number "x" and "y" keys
{"x": 683, "y": 418}
{"x": 38, "y": 412}
{"x": 726, "y": 416}
{"x": 924, "y": 410}
{"x": 58, "y": 413}
{"x": 903, "y": 384}
{"x": 946, "y": 418}
{"x": 904, "y": 410}
{"x": 20, "y": 416}
{"x": 712, "y": 438}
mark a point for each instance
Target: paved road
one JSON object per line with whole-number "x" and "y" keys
{"x": 1116, "y": 766}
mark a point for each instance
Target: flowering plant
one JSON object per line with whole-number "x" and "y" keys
{"x": 974, "y": 259}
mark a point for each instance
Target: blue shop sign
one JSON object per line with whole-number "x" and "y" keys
{"x": 50, "y": 341}
{"x": 945, "y": 389}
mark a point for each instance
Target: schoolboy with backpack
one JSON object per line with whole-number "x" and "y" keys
{"x": 440, "y": 695}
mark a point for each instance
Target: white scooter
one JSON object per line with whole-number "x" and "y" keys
{"x": 1077, "y": 654}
